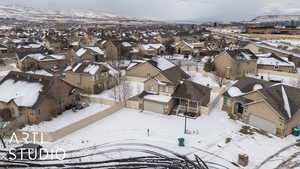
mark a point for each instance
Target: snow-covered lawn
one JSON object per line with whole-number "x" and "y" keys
{"x": 66, "y": 118}
{"x": 208, "y": 133}
{"x": 203, "y": 79}
{"x": 132, "y": 89}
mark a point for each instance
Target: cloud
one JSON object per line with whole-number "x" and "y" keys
{"x": 202, "y": 10}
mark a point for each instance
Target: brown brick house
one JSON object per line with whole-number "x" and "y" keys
{"x": 36, "y": 97}
{"x": 233, "y": 64}
{"x": 185, "y": 48}
{"x": 91, "y": 77}
{"x": 88, "y": 54}
{"x": 271, "y": 107}
{"x": 38, "y": 61}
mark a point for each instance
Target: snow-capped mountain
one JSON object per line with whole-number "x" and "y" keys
{"x": 276, "y": 18}
{"x": 30, "y": 14}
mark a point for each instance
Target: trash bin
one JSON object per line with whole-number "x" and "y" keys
{"x": 296, "y": 131}
{"x": 181, "y": 142}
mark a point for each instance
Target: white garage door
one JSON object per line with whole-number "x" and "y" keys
{"x": 153, "y": 107}
{"x": 262, "y": 124}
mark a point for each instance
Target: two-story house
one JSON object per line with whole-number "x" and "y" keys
{"x": 91, "y": 77}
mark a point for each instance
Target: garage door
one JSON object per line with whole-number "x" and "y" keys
{"x": 263, "y": 124}
{"x": 153, "y": 107}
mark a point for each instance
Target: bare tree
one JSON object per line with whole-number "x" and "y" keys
{"x": 3, "y": 132}
{"x": 122, "y": 90}
{"x": 220, "y": 80}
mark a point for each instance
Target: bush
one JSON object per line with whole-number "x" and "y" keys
{"x": 209, "y": 66}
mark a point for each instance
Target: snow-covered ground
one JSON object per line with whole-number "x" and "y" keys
{"x": 207, "y": 138}
{"x": 132, "y": 89}
{"x": 66, "y": 118}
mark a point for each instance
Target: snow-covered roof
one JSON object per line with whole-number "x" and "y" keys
{"x": 97, "y": 50}
{"x": 269, "y": 60}
{"x": 81, "y": 51}
{"x": 162, "y": 63}
{"x": 23, "y": 93}
{"x": 152, "y": 46}
{"x": 126, "y": 44}
{"x": 234, "y": 92}
{"x": 158, "y": 98}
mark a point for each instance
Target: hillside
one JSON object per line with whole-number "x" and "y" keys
{"x": 276, "y": 18}
{"x": 23, "y": 13}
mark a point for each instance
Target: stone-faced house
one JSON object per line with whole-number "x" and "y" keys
{"x": 191, "y": 98}
{"x": 274, "y": 108}
{"x": 91, "y": 77}
{"x": 118, "y": 49}
{"x": 161, "y": 79}
{"x": 88, "y": 54}
{"x": 35, "y": 97}
{"x": 184, "y": 48}
{"x": 233, "y": 64}
{"x": 152, "y": 49}
{"x": 273, "y": 62}
{"x": 40, "y": 61}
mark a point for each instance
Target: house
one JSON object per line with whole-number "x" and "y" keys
{"x": 273, "y": 62}
{"x": 162, "y": 78}
{"x": 38, "y": 61}
{"x": 233, "y": 64}
{"x": 184, "y": 48}
{"x": 91, "y": 77}
{"x": 88, "y": 53}
{"x": 253, "y": 48}
{"x": 274, "y": 108}
{"x": 191, "y": 98}
{"x": 152, "y": 49}
{"x": 118, "y": 49}
{"x": 36, "y": 98}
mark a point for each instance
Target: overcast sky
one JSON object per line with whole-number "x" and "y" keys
{"x": 198, "y": 10}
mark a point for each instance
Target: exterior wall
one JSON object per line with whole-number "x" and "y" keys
{"x": 289, "y": 69}
{"x": 294, "y": 122}
{"x": 263, "y": 110}
{"x": 222, "y": 62}
{"x": 157, "y": 88}
{"x": 91, "y": 84}
{"x": 144, "y": 70}
{"x": 253, "y": 96}
{"x": 182, "y": 49}
{"x": 28, "y": 64}
{"x": 111, "y": 51}
{"x": 231, "y": 69}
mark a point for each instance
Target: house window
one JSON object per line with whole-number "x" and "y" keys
{"x": 36, "y": 112}
{"x": 192, "y": 104}
{"x": 151, "y": 88}
{"x": 162, "y": 89}
{"x": 276, "y": 67}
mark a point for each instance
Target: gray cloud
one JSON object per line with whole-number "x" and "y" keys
{"x": 202, "y": 10}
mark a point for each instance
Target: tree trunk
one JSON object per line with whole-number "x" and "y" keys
{"x": 3, "y": 143}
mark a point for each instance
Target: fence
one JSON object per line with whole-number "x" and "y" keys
{"x": 286, "y": 74}
{"x": 60, "y": 133}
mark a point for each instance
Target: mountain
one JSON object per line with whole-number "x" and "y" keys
{"x": 23, "y": 13}
{"x": 276, "y": 18}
